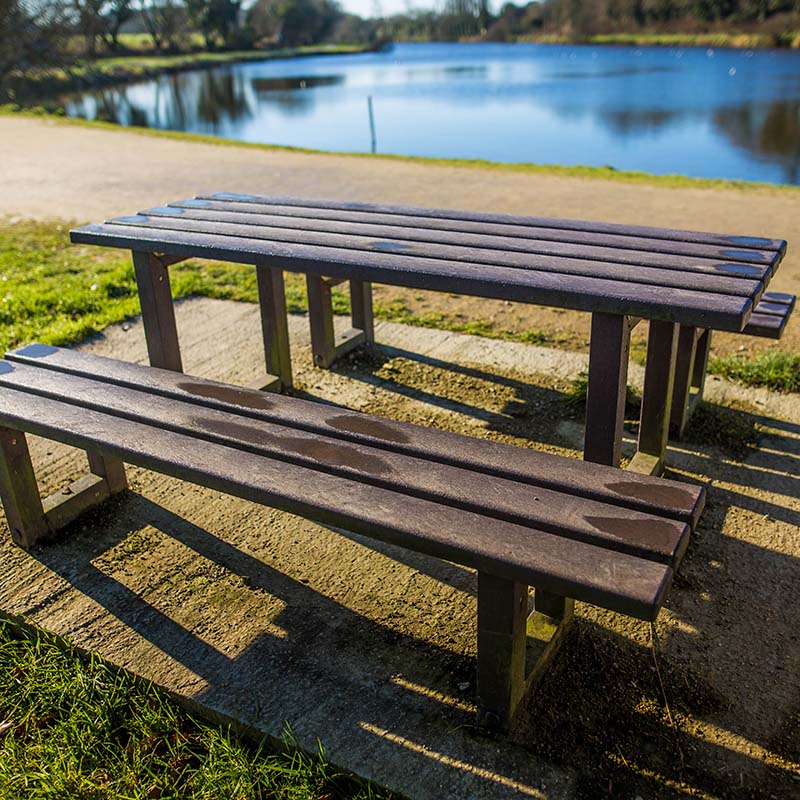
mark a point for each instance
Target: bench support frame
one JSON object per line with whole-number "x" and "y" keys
{"x": 694, "y": 345}
{"x": 33, "y": 520}
{"x": 515, "y": 648}
{"x": 161, "y": 332}
{"x": 326, "y": 346}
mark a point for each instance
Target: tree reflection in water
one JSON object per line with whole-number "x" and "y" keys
{"x": 770, "y": 132}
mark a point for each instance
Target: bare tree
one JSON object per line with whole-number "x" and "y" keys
{"x": 32, "y": 34}
{"x": 163, "y": 20}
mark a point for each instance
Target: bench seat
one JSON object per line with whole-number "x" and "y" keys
{"x": 770, "y": 316}
{"x": 572, "y": 530}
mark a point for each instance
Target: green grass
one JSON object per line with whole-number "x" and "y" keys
{"x": 731, "y": 39}
{"x": 76, "y": 727}
{"x": 579, "y": 171}
{"x": 777, "y": 370}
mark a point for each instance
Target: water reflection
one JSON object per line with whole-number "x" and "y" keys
{"x": 733, "y": 115}
{"x": 770, "y": 132}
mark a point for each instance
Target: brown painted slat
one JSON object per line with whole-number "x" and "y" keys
{"x": 700, "y": 309}
{"x": 600, "y": 524}
{"x": 531, "y": 467}
{"x": 625, "y": 249}
{"x": 681, "y": 266}
{"x": 773, "y": 309}
{"x": 766, "y": 325}
{"x": 617, "y": 581}
{"x": 780, "y": 297}
{"x": 678, "y": 272}
{"x": 700, "y": 237}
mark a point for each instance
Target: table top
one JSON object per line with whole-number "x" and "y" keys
{"x": 707, "y": 280}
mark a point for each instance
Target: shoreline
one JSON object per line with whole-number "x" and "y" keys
{"x": 669, "y": 181}
{"x": 108, "y": 72}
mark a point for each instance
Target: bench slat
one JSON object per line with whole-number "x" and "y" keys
{"x": 617, "y": 581}
{"x": 700, "y": 274}
{"x": 671, "y": 234}
{"x": 438, "y": 229}
{"x": 699, "y": 309}
{"x": 531, "y": 467}
{"x": 766, "y": 326}
{"x": 600, "y": 524}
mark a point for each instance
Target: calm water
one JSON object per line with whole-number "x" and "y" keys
{"x": 706, "y": 113}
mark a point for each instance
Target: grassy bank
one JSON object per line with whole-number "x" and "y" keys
{"x": 57, "y": 293}
{"x": 41, "y": 83}
{"x": 734, "y": 40}
{"x": 580, "y": 171}
{"x": 76, "y": 727}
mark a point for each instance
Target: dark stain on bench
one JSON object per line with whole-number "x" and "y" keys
{"x": 392, "y": 246}
{"x": 327, "y": 453}
{"x": 364, "y": 425}
{"x": 749, "y": 241}
{"x": 668, "y": 494}
{"x": 742, "y": 270}
{"x": 661, "y": 534}
{"x": 227, "y": 394}
{"x": 748, "y": 254}
{"x": 37, "y": 350}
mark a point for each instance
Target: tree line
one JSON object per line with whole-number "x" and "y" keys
{"x": 45, "y": 32}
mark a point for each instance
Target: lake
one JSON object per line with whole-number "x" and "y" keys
{"x": 712, "y": 113}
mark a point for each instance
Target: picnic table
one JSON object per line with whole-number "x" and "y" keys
{"x": 621, "y": 274}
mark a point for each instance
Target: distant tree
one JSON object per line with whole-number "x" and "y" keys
{"x": 294, "y": 22}
{"x": 32, "y": 34}
{"x": 90, "y": 22}
{"x": 215, "y": 19}
{"x": 163, "y": 20}
{"x": 116, "y": 13}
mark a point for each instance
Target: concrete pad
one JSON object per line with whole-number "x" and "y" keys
{"x": 268, "y": 619}
{"x": 272, "y": 621}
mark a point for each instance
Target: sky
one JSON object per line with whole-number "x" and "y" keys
{"x": 377, "y": 8}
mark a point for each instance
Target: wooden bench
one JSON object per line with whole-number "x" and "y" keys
{"x": 521, "y": 518}
{"x": 622, "y": 274}
{"x": 768, "y": 320}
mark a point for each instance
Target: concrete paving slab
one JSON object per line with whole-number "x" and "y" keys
{"x": 271, "y": 620}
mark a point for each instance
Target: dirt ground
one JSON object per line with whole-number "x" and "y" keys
{"x": 268, "y": 619}
{"x": 265, "y": 618}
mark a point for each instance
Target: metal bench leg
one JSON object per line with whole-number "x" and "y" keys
{"x": 514, "y": 648}
{"x": 274, "y": 330}
{"x": 33, "y": 520}
{"x": 608, "y": 382}
{"x": 158, "y": 312}
{"x": 325, "y": 345}
{"x": 659, "y": 379}
{"x": 690, "y": 376}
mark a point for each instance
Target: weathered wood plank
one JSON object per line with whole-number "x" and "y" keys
{"x": 767, "y": 326}
{"x": 19, "y": 491}
{"x": 531, "y": 467}
{"x": 709, "y": 259}
{"x": 645, "y": 268}
{"x": 726, "y": 240}
{"x": 616, "y": 581}
{"x": 158, "y": 312}
{"x": 704, "y": 309}
{"x": 298, "y": 216}
{"x": 602, "y": 524}
{"x": 607, "y": 388}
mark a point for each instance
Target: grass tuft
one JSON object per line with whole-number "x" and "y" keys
{"x": 76, "y": 727}
{"x": 777, "y": 370}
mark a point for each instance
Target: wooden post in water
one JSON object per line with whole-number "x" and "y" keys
{"x": 372, "y": 124}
